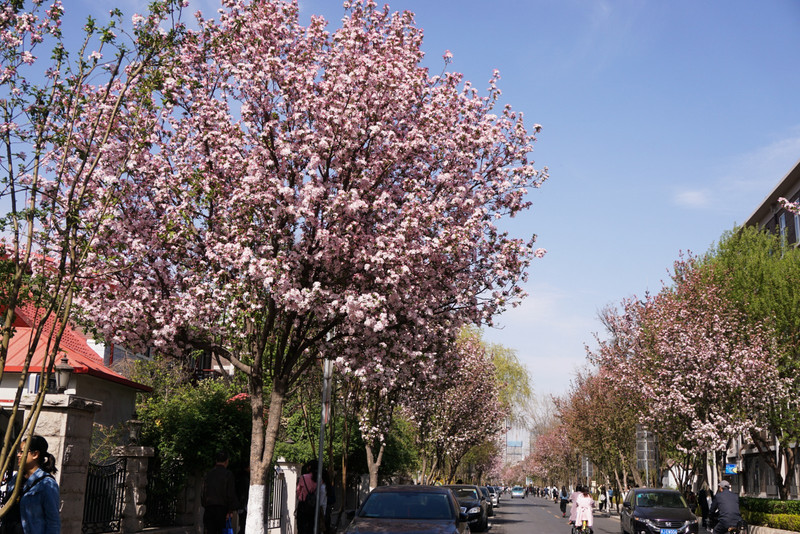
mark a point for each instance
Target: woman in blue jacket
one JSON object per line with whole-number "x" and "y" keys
{"x": 39, "y": 502}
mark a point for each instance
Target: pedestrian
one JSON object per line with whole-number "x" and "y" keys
{"x": 306, "y": 498}
{"x": 37, "y": 511}
{"x": 602, "y": 499}
{"x": 564, "y": 501}
{"x": 573, "y": 498}
{"x": 584, "y": 509}
{"x": 242, "y": 478}
{"x": 691, "y": 500}
{"x": 329, "y": 502}
{"x": 218, "y": 496}
{"x": 702, "y": 501}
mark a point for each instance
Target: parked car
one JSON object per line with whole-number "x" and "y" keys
{"x": 494, "y": 495}
{"x": 656, "y": 511}
{"x": 473, "y": 504}
{"x": 518, "y": 491}
{"x": 488, "y": 497}
{"x": 402, "y": 509}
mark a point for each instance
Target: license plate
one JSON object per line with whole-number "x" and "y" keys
{"x": 669, "y": 531}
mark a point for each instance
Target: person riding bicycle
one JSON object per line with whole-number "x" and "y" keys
{"x": 725, "y": 507}
{"x": 584, "y": 505}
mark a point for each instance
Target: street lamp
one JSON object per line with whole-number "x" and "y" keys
{"x": 63, "y": 370}
{"x": 134, "y": 430}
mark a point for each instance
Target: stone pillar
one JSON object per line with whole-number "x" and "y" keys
{"x": 66, "y": 423}
{"x": 134, "y": 507}
{"x": 291, "y": 473}
{"x": 363, "y": 489}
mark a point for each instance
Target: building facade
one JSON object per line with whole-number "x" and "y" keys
{"x": 771, "y": 215}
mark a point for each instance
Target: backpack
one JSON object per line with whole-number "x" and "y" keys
{"x": 305, "y": 508}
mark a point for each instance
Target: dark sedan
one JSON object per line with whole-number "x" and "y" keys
{"x": 488, "y": 496}
{"x": 404, "y": 509}
{"x": 473, "y": 504}
{"x": 656, "y": 511}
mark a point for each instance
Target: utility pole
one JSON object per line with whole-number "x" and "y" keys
{"x": 327, "y": 374}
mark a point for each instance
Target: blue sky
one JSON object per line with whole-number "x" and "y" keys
{"x": 664, "y": 124}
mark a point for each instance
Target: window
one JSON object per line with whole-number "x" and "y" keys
{"x": 782, "y": 224}
{"x": 388, "y": 505}
{"x": 797, "y": 228}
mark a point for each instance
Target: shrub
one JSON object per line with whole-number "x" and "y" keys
{"x": 783, "y": 515}
{"x": 770, "y": 506}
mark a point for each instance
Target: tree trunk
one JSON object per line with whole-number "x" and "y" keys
{"x": 374, "y": 464}
{"x": 618, "y": 496}
{"x": 453, "y": 468}
{"x": 262, "y": 447}
{"x": 785, "y": 457}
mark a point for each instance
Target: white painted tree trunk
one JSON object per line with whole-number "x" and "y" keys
{"x": 255, "y": 510}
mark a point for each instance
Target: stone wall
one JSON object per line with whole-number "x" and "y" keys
{"x": 65, "y": 421}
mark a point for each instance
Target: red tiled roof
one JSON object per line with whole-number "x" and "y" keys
{"x": 80, "y": 356}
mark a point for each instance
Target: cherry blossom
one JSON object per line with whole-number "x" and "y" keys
{"x": 701, "y": 372}
{"x": 302, "y": 194}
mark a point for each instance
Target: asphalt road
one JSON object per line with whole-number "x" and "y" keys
{"x": 535, "y": 515}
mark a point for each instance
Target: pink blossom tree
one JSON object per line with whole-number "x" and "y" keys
{"x": 303, "y": 194}
{"x": 380, "y": 386}
{"x": 450, "y": 420}
{"x": 704, "y": 373}
{"x": 553, "y": 457}
{"x": 600, "y": 421}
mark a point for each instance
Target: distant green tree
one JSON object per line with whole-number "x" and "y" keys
{"x": 515, "y": 392}
{"x": 760, "y": 272}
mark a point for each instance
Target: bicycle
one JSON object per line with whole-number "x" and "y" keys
{"x": 583, "y": 529}
{"x": 740, "y": 528}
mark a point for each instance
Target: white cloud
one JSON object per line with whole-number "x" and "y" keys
{"x": 736, "y": 185}
{"x": 692, "y": 198}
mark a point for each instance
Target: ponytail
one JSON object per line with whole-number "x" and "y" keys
{"x": 48, "y": 463}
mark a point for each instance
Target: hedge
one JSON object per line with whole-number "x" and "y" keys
{"x": 772, "y": 513}
{"x": 769, "y": 506}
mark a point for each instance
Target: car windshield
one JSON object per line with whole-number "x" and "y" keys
{"x": 662, "y": 499}
{"x": 400, "y": 505}
{"x": 466, "y": 493}
{"x": 516, "y": 488}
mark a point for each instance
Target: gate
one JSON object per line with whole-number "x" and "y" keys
{"x": 104, "y": 499}
{"x": 275, "y": 504}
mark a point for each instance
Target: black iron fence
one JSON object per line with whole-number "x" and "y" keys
{"x": 164, "y": 483}
{"x": 104, "y": 498}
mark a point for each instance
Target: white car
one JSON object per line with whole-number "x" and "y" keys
{"x": 494, "y": 494}
{"x": 518, "y": 491}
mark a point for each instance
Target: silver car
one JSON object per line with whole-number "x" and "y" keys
{"x": 494, "y": 495}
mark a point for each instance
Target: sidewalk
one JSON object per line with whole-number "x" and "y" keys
{"x": 752, "y": 529}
